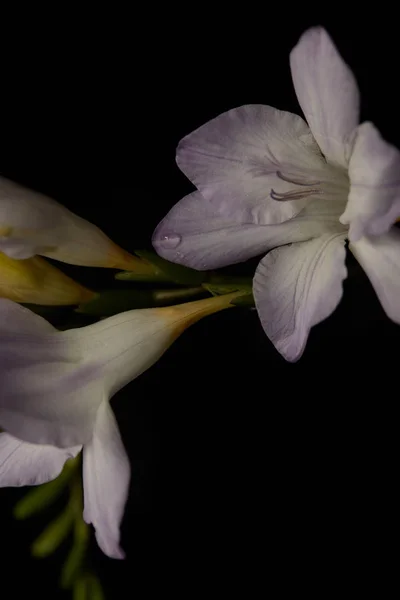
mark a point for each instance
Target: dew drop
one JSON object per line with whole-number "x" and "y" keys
{"x": 170, "y": 241}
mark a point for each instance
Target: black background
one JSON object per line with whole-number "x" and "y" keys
{"x": 249, "y": 474}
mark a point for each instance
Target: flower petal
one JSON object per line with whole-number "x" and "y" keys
{"x": 36, "y": 281}
{"x": 380, "y": 259}
{"x": 235, "y": 161}
{"x": 195, "y": 235}
{"x": 374, "y": 199}
{"x": 298, "y": 286}
{"x": 22, "y": 463}
{"x": 125, "y": 345}
{"x": 31, "y": 223}
{"x": 327, "y": 92}
{"x": 106, "y": 476}
{"x": 49, "y": 393}
{"x": 53, "y": 383}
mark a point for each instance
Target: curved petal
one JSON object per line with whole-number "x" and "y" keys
{"x": 235, "y": 161}
{"x": 298, "y": 286}
{"x": 22, "y": 463}
{"x": 31, "y": 223}
{"x": 380, "y": 259}
{"x": 52, "y": 383}
{"x": 49, "y": 394}
{"x": 106, "y": 476}
{"x": 374, "y": 199}
{"x": 127, "y": 344}
{"x": 195, "y": 235}
{"x": 327, "y": 93}
{"x": 15, "y": 319}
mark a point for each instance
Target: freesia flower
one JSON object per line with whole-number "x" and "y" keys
{"x": 55, "y": 391}
{"x": 31, "y": 223}
{"x": 36, "y": 281}
{"x": 268, "y": 180}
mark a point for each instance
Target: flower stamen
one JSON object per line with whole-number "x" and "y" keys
{"x": 296, "y": 181}
{"x": 294, "y": 194}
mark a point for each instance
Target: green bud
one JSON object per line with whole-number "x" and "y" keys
{"x": 96, "y": 591}
{"x": 75, "y": 559}
{"x": 54, "y": 534}
{"x": 80, "y": 590}
{"x": 73, "y": 565}
{"x": 87, "y": 587}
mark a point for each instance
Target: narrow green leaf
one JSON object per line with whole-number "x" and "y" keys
{"x": 166, "y": 271}
{"x": 112, "y": 302}
{"x": 42, "y": 496}
{"x": 54, "y": 534}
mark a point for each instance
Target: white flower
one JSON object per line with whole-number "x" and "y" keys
{"x": 266, "y": 179}
{"x": 55, "y": 391}
{"x": 31, "y": 223}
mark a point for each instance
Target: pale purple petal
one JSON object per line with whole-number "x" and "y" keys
{"x": 235, "y": 161}
{"x": 22, "y": 463}
{"x": 374, "y": 199}
{"x": 53, "y": 382}
{"x": 296, "y": 287}
{"x": 49, "y": 395}
{"x": 195, "y": 235}
{"x": 380, "y": 259}
{"x": 31, "y": 223}
{"x": 327, "y": 92}
{"x": 106, "y": 476}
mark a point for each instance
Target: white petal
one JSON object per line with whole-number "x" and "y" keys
{"x": 106, "y": 475}
{"x": 15, "y": 319}
{"x": 22, "y": 463}
{"x": 327, "y": 92}
{"x": 298, "y": 286}
{"x": 53, "y": 383}
{"x": 374, "y": 199}
{"x": 31, "y": 223}
{"x": 195, "y": 235}
{"x": 380, "y": 259}
{"x": 50, "y": 391}
{"x": 127, "y": 344}
{"x": 234, "y": 160}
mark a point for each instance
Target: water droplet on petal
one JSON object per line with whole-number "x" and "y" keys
{"x": 170, "y": 241}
